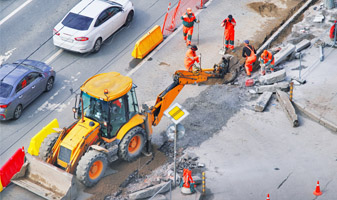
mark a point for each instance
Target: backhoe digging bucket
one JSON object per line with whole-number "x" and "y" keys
{"x": 46, "y": 180}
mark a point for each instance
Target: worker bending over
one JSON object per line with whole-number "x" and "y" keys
{"x": 267, "y": 60}
{"x": 229, "y": 24}
{"x": 191, "y": 57}
{"x": 188, "y": 23}
{"x": 249, "y": 53}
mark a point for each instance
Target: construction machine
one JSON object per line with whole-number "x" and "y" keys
{"x": 109, "y": 126}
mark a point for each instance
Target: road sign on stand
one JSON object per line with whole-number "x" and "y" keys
{"x": 176, "y": 113}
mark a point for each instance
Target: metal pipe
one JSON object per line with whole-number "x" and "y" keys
{"x": 175, "y": 152}
{"x": 299, "y": 71}
{"x": 321, "y": 53}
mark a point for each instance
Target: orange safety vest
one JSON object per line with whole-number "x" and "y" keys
{"x": 187, "y": 178}
{"x": 252, "y": 57}
{"x": 190, "y": 59}
{"x": 267, "y": 58}
{"x": 228, "y": 25}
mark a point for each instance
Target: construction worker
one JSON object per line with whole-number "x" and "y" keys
{"x": 249, "y": 53}
{"x": 188, "y": 23}
{"x": 229, "y": 24}
{"x": 191, "y": 57}
{"x": 267, "y": 60}
{"x": 187, "y": 184}
{"x": 332, "y": 31}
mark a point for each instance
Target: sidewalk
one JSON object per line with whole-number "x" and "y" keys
{"x": 318, "y": 97}
{"x": 254, "y": 154}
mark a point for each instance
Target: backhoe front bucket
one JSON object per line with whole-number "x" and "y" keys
{"x": 46, "y": 180}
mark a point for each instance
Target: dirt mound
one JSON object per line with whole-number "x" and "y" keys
{"x": 112, "y": 184}
{"x": 264, "y": 8}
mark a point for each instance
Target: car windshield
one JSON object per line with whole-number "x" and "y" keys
{"x": 5, "y": 90}
{"x": 95, "y": 109}
{"x": 76, "y": 21}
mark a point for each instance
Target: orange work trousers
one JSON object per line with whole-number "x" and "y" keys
{"x": 249, "y": 64}
{"x": 187, "y": 32}
{"x": 229, "y": 38}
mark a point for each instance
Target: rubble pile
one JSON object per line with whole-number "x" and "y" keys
{"x": 139, "y": 187}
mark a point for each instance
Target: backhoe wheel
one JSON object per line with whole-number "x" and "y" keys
{"x": 91, "y": 167}
{"x": 47, "y": 145}
{"x": 132, "y": 144}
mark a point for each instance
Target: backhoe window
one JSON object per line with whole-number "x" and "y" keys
{"x": 94, "y": 109}
{"x": 133, "y": 103}
{"x": 117, "y": 115}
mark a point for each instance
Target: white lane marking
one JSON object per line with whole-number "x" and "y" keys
{"x": 14, "y": 12}
{"x": 161, "y": 45}
{"x": 53, "y": 56}
{"x": 6, "y": 56}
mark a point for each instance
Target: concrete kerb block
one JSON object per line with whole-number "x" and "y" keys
{"x": 302, "y": 45}
{"x": 273, "y": 77}
{"x": 284, "y": 53}
{"x": 283, "y": 86}
{"x": 319, "y": 18}
{"x": 314, "y": 116}
{"x": 262, "y": 101}
{"x": 149, "y": 192}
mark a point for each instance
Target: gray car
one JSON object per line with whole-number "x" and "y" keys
{"x": 21, "y": 83}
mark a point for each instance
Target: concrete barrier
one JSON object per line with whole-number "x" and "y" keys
{"x": 148, "y": 42}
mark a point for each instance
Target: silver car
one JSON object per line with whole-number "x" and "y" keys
{"x": 21, "y": 83}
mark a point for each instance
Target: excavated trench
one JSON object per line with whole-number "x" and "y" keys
{"x": 211, "y": 110}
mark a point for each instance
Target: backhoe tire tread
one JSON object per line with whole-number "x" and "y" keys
{"x": 86, "y": 162}
{"x": 123, "y": 150}
{"x": 47, "y": 145}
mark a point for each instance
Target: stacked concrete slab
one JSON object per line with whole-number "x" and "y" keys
{"x": 284, "y": 53}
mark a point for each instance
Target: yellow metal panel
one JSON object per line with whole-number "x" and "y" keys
{"x": 133, "y": 122}
{"x": 116, "y": 84}
{"x": 148, "y": 42}
{"x": 36, "y": 141}
{"x": 0, "y": 185}
{"x": 80, "y": 130}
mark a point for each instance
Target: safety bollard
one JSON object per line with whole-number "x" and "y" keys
{"x": 203, "y": 184}
{"x": 291, "y": 91}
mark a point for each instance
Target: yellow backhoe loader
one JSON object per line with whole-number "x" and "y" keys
{"x": 108, "y": 126}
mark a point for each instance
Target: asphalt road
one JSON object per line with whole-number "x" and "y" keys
{"x": 28, "y": 33}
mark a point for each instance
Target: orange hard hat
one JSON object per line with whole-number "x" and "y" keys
{"x": 189, "y": 10}
{"x": 265, "y": 53}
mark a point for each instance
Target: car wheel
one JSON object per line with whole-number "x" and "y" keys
{"x": 17, "y": 112}
{"x": 97, "y": 45}
{"x": 129, "y": 18}
{"x": 50, "y": 84}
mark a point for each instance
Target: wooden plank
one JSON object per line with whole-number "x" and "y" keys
{"x": 288, "y": 108}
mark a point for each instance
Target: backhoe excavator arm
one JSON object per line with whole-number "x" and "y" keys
{"x": 180, "y": 79}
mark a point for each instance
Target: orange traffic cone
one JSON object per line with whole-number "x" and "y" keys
{"x": 317, "y": 192}
{"x": 267, "y": 197}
